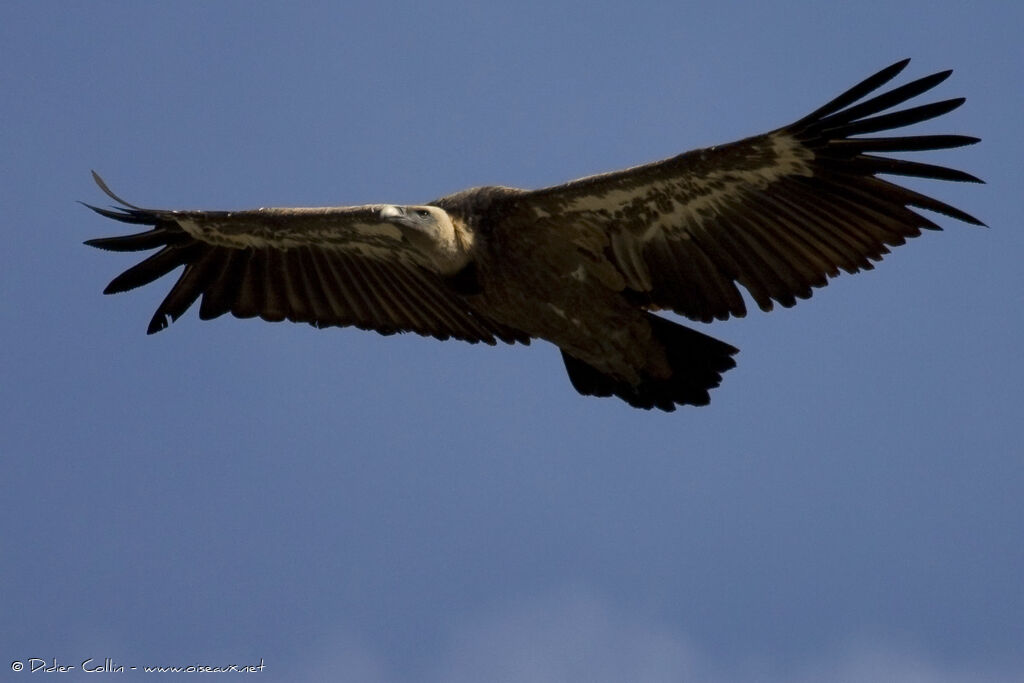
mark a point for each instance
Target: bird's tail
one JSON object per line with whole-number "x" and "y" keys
{"x": 697, "y": 362}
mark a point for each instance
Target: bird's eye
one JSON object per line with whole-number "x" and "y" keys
{"x": 422, "y": 213}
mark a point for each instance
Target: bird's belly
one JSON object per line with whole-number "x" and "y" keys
{"x": 588, "y": 321}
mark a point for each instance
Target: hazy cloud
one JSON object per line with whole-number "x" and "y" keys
{"x": 575, "y": 636}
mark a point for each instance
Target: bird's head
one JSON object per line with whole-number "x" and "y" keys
{"x": 430, "y": 230}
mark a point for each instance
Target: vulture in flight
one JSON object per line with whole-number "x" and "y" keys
{"x": 584, "y": 265}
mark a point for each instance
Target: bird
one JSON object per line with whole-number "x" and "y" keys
{"x": 587, "y": 265}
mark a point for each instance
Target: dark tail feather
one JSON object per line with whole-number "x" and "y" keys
{"x": 697, "y": 363}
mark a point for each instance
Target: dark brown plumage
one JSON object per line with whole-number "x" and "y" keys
{"x": 583, "y": 264}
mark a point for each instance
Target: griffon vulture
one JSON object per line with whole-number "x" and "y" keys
{"x": 583, "y": 265}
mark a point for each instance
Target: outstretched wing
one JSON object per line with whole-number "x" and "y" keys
{"x": 323, "y": 266}
{"x": 777, "y": 213}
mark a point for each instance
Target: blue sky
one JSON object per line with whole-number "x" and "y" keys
{"x": 352, "y": 507}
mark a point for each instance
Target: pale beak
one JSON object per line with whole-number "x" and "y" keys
{"x": 392, "y": 213}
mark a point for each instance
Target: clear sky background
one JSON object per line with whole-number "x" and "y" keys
{"x": 352, "y": 507}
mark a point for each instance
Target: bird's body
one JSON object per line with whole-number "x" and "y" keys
{"x": 555, "y": 283}
{"x": 582, "y": 265}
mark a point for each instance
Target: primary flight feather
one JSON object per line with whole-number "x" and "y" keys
{"x": 582, "y": 264}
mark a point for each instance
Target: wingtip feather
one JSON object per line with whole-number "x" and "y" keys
{"x": 158, "y": 323}
{"x": 110, "y": 193}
